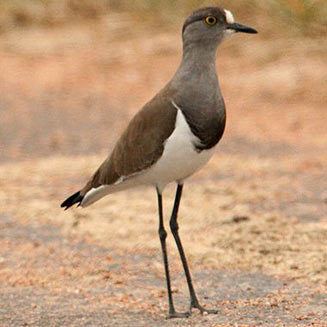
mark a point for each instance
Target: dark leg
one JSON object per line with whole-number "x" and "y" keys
{"x": 163, "y": 236}
{"x": 174, "y": 228}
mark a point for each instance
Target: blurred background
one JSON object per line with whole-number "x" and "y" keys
{"x": 73, "y": 72}
{"x": 63, "y": 61}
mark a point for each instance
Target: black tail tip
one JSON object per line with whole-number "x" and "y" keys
{"x": 73, "y": 199}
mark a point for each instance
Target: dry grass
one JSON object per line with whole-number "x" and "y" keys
{"x": 296, "y": 16}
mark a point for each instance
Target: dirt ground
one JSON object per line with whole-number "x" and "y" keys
{"x": 253, "y": 222}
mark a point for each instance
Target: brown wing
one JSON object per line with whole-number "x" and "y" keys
{"x": 140, "y": 146}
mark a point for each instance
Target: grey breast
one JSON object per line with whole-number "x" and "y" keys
{"x": 209, "y": 126}
{"x": 199, "y": 98}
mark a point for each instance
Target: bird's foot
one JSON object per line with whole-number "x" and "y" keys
{"x": 203, "y": 310}
{"x": 174, "y": 314}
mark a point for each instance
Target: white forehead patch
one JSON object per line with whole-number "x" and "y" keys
{"x": 229, "y": 17}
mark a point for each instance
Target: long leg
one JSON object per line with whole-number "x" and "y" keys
{"x": 163, "y": 236}
{"x": 174, "y": 229}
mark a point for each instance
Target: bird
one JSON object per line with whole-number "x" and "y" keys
{"x": 173, "y": 135}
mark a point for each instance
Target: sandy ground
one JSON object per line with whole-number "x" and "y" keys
{"x": 253, "y": 222}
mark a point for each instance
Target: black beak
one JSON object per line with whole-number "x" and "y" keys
{"x": 241, "y": 28}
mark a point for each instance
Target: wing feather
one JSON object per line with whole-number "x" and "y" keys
{"x": 140, "y": 146}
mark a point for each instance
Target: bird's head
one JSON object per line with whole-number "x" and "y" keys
{"x": 211, "y": 25}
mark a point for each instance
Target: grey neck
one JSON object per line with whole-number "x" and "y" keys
{"x": 197, "y": 54}
{"x": 195, "y": 90}
{"x": 196, "y": 77}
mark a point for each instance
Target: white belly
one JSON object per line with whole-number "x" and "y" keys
{"x": 179, "y": 159}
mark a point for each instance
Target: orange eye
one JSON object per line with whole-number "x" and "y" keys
{"x": 211, "y": 20}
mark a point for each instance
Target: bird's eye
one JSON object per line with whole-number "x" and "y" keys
{"x": 211, "y": 20}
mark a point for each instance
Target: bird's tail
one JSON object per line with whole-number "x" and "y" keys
{"x": 75, "y": 198}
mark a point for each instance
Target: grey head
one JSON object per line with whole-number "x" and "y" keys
{"x": 195, "y": 86}
{"x": 203, "y": 31}
{"x": 211, "y": 25}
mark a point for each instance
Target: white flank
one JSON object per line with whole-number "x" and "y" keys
{"x": 179, "y": 160}
{"x": 93, "y": 195}
{"x": 96, "y": 194}
{"x": 229, "y": 17}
